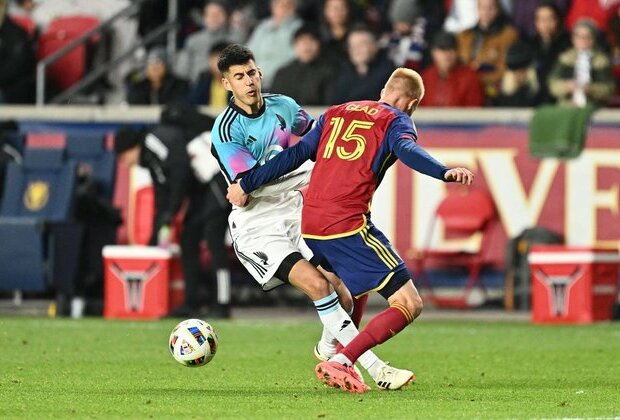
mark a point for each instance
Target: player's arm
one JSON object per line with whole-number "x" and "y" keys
{"x": 285, "y": 161}
{"x": 402, "y": 139}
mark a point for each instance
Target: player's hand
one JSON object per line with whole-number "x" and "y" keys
{"x": 462, "y": 175}
{"x": 236, "y": 195}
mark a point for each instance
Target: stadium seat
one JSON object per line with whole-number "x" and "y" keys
{"x": 69, "y": 69}
{"x": 38, "y": 140}
{"x": 40, "y": 244}
{"x": 465, "y": 214}
{"x": 93, "y": 158}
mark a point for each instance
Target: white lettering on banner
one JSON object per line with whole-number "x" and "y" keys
{"x": 516, "y": 209}
{"x": 587, "y": 209}
{"x": 583, "y": 198}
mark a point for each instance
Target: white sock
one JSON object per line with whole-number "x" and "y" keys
{"x": 328, "y": 342}
{"x": 335, "y": 320}
{"x": 223, "y": 286}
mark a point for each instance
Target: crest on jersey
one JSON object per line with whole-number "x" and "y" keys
{"x": 36, "y": 195}
{"x": 282, "y": 122}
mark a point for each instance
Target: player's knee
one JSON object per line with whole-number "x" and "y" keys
{"x": 416, "y": 306}
{"x": 413, "y": 304}
{"x": 316, "y": 287}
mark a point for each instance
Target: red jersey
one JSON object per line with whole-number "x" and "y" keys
{"x": 353, "y": 145}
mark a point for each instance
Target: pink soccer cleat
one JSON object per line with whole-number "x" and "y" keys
{"x": 340, "y": 376}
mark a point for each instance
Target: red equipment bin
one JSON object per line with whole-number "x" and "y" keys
{"x": 572, "y": 284}
{"x": 141, "y": 282}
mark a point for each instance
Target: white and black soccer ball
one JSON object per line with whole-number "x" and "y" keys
{"x": 193, "y": 343}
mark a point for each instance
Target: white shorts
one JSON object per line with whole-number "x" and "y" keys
{"x": 263, "y": 239}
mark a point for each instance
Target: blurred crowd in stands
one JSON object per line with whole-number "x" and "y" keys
{"x": 515, "y": 53}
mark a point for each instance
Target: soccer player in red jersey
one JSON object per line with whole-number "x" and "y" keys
{"x": 353, "y": 145}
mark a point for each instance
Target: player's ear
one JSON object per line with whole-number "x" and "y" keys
{"x": 260, "y": 73}
{"x": 226, "y": 84}
{"x": 412, "y": 105}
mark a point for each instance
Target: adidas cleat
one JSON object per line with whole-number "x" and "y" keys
{"x": 391, "y": 378}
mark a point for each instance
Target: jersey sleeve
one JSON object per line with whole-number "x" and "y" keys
{"x": 402, "y": 141}
{"x": 232, "y": 155}
{"x": 285, "y": 161}
{"x": 302, "y": 121}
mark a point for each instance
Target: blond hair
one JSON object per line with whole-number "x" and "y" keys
{"x": 407, "y": 81}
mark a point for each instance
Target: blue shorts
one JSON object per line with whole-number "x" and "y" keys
{"x": 364, "y": 261}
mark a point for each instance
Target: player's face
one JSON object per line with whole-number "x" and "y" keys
{"x": 244, "y": 81}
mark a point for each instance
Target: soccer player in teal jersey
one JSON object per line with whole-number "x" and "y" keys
{"x": 266, "y": 233}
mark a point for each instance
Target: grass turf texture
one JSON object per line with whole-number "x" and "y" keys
{"x": 264, "y": 369}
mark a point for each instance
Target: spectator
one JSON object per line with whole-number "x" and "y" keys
{"x": 21, "y": 7}
{"x": 519, "y": 86}
{"x": 366, "y": 71}
{"x": 525, "y": 11}
{"x": 209, "y": 89}
{"x": 582, "y": 75}
{"x": 462, "y": 15}
{"x": 308, "y": 78}
{"x": 407, "y": 44}
{"x": 271, "y": 40}
{"x": 448, "y": 82}
{"x": 550, "y": 40}
{"x": 335, "y": 25}
{"x": 614, "y": 40}
{"x": 484, "y": 46}
{"x": 194, "y": 57}
{"x": 157, "y": 86}
{"x": 17, "y": 62}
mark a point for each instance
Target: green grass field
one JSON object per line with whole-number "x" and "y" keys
{"x": 264, "y": 369}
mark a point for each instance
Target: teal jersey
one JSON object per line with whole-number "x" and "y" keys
{"x": 241, "y": 141}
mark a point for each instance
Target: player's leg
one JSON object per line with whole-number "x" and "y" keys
{"x": 366, "y": 262}
{"x": 344, "y": 295}
{"x": 306, "y": 278}
{"x": 328, "y": 344}
{"x": 405, "y": 306}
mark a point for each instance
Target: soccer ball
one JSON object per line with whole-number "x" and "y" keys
{"x": 193, "y": 343}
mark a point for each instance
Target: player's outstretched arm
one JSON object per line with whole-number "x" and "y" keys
{"x": 282, "y": 163}
{"x": 462, "y": 175}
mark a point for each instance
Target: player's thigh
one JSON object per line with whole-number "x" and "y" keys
{"x": 308, "y": 279}
{"x": 364, "y": 261}
{"x": 262, "y": 251}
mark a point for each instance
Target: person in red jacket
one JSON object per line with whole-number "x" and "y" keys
{"x": 448, "y": 81}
